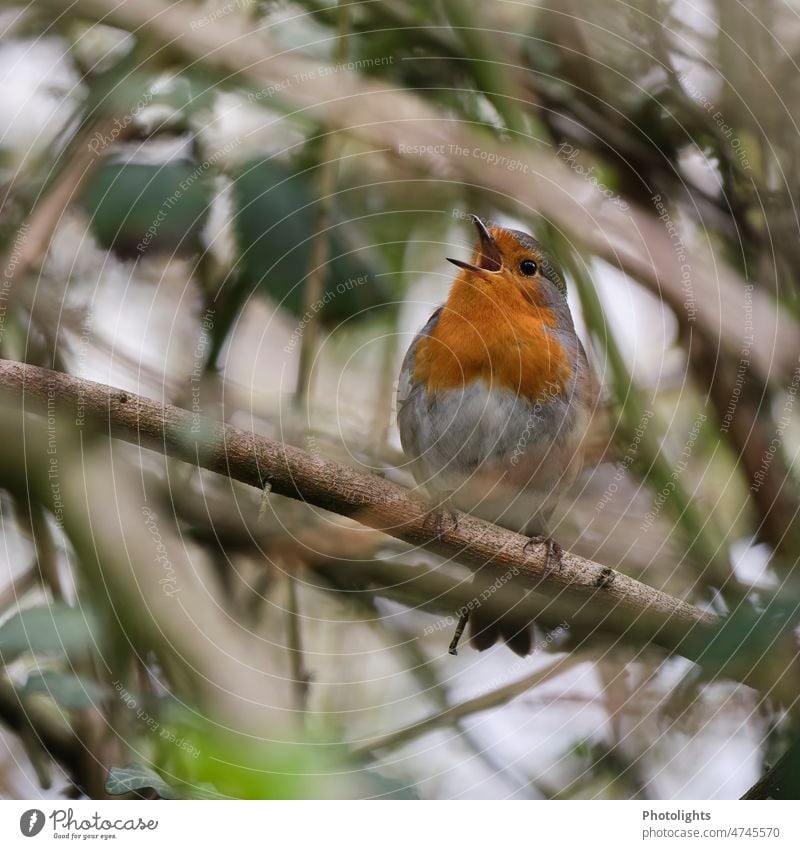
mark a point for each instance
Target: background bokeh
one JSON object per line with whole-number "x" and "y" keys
{"x": 244, "y": 209}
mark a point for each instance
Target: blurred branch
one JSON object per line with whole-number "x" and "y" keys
{"x": 328, "y": 165}
{"x": 301, "y": 677}
{"x": 449, "y": 715}
{"x": 633, "y": 240}
{"x": 743, "y": 403}
{"x": 782, "y": 781}
{"x": 30, "y": 245}
{"x": 34, "y": 517}
{"x": 155, "y": 603}
{"x": 705, "y": 543}
{"x": 19, "y": 586}
{"x": 54, "y": 736}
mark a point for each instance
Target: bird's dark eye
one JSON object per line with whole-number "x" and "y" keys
{"x": 528, "y": 267}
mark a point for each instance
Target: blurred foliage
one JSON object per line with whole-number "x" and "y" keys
{"x": 52, "y": 630}
{"x": 138, "y": 208}
{"x": 137, "y": 779}
{"x": 71, "y": 692}
{"x": 276, "y": 211}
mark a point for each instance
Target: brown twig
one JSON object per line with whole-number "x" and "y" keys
{"x": 35, "y": 233}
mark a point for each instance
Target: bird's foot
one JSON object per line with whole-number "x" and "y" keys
{"x": 462, "y": 624}
{"x": 437, "y": 518}
{"x": 553, "y": 552}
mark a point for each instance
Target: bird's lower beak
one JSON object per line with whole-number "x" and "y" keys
{"x": 488, "y": 254}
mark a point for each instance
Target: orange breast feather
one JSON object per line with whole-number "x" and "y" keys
{"x": 494, "y": 334}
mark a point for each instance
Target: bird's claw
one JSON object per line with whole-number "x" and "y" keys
{"x": 553, "y": 552}
{"x": 462, "y": 623}
{"x": 436, "y": 518}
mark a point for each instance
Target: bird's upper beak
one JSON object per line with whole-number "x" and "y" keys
{"x": 489, "y": 256}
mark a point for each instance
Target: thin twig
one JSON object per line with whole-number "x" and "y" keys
{"x": 35, "y": 233}
{"x": 301, "y": 678}
{"x": 421, "y": 667}
{"x": 485, "y": 701}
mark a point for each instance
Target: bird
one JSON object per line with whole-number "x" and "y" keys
{"x": 494, "y": 402}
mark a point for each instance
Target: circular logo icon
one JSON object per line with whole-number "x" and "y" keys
{"x": 31, "y": 822}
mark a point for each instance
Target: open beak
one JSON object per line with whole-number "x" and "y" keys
{"x": 489, "y": 258}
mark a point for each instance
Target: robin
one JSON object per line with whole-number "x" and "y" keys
{"x": 494, "y": 401}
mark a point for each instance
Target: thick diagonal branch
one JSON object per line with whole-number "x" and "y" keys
{"x": 591, "y": 594}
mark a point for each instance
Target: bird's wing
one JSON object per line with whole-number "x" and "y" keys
{"x": 596, "y": 441}
{"x": 405, "y": 384}
{"x": 410, "y": 403}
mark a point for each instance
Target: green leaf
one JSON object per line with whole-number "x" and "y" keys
{"x": 276, "y": 221}
{"x": 55, "y": 629}
{"x": 750, "y": 634}
{"x": 135, "y": 778}
{"x": 70, "y": 691}
{"x": 137, "y": 208}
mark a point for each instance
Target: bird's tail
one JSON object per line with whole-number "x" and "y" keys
{"x": 486, "y": 627}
